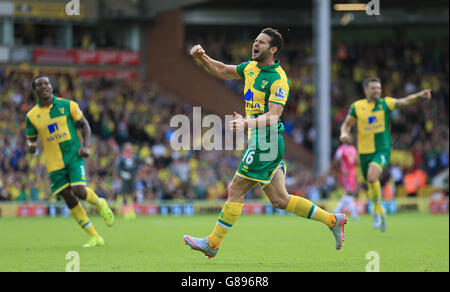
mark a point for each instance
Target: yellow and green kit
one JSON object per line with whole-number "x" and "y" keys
{"x": 374, "y": 125}
{"x": 265, "y": 149}
{"x": 56, "y": 126}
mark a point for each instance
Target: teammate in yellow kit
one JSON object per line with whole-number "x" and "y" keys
{"x": 373, "y": 117}
{"x": 55, "y": 120}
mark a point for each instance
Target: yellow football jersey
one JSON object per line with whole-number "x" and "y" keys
{"x": 373, "y": 123}
{"x": 56, "y": 126}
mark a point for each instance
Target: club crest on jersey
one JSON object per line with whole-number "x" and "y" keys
{"x": 61, "y": 110}
{"x": 280, "y": 93}
{"x": 264, "y": 84}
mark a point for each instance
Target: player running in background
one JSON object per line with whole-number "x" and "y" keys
{"x": 373, "y": 117}
{"x": 127, "y": 167}
{"x": 265, "y": 93}
{"x": 347, "y": 158}
{"x": 55, "y": 120}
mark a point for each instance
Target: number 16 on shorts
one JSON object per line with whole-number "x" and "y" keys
{"x": 248, "y": 156}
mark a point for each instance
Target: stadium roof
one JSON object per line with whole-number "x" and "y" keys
{"x": 288, "y": 12}
{"x": 289, "y": 4}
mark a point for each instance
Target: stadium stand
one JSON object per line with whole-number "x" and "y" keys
{"x": 205, "y": 175}
{"x": 139, "y": 112}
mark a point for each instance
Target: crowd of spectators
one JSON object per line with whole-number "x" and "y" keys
{"x": 405, "y": 65}
{"x": 139, "y": 112}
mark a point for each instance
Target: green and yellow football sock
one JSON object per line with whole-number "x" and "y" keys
{"x": 374, "y": 191}
{"x": 93, "y": 199}
{"x": 227, "y": 217}
{"x": 79, "y": 214}
{"x": 305, "y": 208}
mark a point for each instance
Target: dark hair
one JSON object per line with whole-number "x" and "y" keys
{"x": 370, "y": 79}
{"x": 276, "y": 39}
{"x": 35, "y": 78}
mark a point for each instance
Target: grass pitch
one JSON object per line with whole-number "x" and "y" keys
{"x": 412, "y": 242}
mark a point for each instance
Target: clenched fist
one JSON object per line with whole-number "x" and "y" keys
{"x": 84, "y": 152}
{"x": 32, "y": 146}
{"x": 197, "y": 51}
{"x": 426, "y": 93}
{"x": 345, "y": 138}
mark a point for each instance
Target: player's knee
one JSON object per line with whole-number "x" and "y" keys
{"x": 236, "y": 194}
{"x": 372, "y": 179}
{"x": 280, "y": 202}
{"x": 80, "y": 192}
{"x": 69, "y": 198}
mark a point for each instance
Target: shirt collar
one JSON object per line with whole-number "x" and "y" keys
{"x": 269, "y": 67}
{"x": 53, "y": 102}
{"x": 374, "y": 102}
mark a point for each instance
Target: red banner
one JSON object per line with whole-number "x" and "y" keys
{"x": 147, "y": 209}
{"x": 253, "y": 208}
{"x": 439, "y": 207}
{"x": 108, "y": 74}
{"x": 125, "y": 58}
{"x": 359, "y": 206}
{"x": 86, "y": 57}
{"x": 129, "y": 58}
{"x": 438, "y": 203}
{"x": 31, "y": 211}
{"x": 54, "y": 56}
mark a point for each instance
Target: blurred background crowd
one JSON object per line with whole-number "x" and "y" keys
{"x": 139, "y": 112}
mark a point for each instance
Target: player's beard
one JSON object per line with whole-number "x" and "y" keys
{"x": 375, "y": 96}
{"x": 263, "y": 55}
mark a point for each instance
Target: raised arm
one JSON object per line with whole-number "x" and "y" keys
{"x": 346, "y": 128}
{"x": 216, "y": 68}
{"x": 413, "y": 98}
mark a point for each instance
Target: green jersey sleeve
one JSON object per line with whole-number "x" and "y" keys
{"x": 352, "y": 111}
{"x": 240, "y": 69}
{"x": 31, "y": 130}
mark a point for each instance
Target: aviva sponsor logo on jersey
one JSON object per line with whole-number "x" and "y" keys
{"x": 249, "y": 103}
{"x": 53, "y": 127}
{"x": 55, "y": 134}
{"x": 375, "y": 123}
{"x": 372, "y": 119}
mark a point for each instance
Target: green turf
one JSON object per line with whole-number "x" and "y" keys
{"x": 413, "y": 242}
